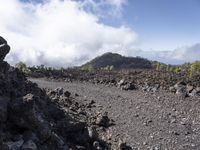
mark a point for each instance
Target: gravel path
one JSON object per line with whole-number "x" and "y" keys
{"x": 154, "y": 121}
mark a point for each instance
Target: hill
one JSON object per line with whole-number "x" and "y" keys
{"x": 117, "y": 62}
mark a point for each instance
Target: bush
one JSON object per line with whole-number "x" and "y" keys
{"x": 194, "y": 68}
{"x": 23, "y": 68}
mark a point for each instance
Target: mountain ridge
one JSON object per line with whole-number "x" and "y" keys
{"x": 117, "y": 62}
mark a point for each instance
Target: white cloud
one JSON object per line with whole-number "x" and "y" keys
{"x": 177, "y": 56}
{"x": 60, "y": 33}
{"x": 187, "y": 53}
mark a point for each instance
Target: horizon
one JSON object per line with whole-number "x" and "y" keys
{"x": 71, "y": 32}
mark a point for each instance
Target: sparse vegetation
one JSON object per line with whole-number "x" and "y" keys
{"x": 194, "y": 68}
{"x": 190, "y": 69}
{"x": 23, "y": 68}
{"x": 108, "y": 68}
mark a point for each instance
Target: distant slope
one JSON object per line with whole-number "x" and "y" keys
{"x": 117, "y": 61}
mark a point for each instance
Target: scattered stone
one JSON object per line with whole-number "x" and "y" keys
{"x": 91, "y": 104}
{"x": 103, "y": 120}
{"x": 92, "y": 133}
{"x": 67, "y": 93}
{"x": 96, "y": 145}
{"x": 181, "y": 92}
{"x": 195, "y": 92}
{"x": 121, "y": 82}
{"x": 128, "y": 86}
{"x": 179, "y": 85}
{"x": 59, "y": 91}
{"x": 124, "y": 146}
{"x": 29, "y": 145}
{"x": 189, "y": 88}
{"x": 76, "y": 94}
{"x": 172, "y": 89}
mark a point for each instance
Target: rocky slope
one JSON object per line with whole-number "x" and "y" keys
{"x": 36, "y": 119}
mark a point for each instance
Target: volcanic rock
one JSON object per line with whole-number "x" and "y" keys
{"x": 4, "y": 48}
{"x": 3, "y": 108}
{"x": 103, "y": 120}
{"x": 30, "y": 119}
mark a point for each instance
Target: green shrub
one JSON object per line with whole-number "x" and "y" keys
{"x": 23, "y": 68}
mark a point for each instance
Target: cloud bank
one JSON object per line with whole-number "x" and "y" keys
{"x": 60, "y": 33}
{"x": 178, "y": 56}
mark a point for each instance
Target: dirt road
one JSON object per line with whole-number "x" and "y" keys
{"x": 154, "y": 121}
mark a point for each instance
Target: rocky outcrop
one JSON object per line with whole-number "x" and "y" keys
{"x": 182, "y": 89}
{"x": 34, "y": 119}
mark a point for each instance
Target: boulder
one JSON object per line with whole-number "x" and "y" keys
{"x": 128, "y": 86}
{"x": 181, "y": 92}
{"x": 121, "y": 82}
{"x": 181, "y": 89}
{"x": 92, "y": 133}
{"x": 198, "y": 89}
{"x": 59, "y": 91}
{"x": 67, "y": 93}
{"x": 172, "y": 89}
{"x": 103, "y": 120}
{"x": 97, "y": 146}
{"x": 194, "y": 92}
{"x": 124, "y": 146}
{"x": 179, "y": 85}
{"x": 4, "y": 48}
{"x": 189, "y": 88}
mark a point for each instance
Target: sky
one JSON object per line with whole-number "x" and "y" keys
{"x": 63, "y": 33}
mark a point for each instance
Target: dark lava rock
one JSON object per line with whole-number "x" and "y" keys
{"x": 181, "y": 92}
{"x": 12, "y": 145}
{"x": 103, "y": 120}
{"x": 67, "y": 93}
{"x": 4, "y": 48}
{"x": 125, "y": 85}
{"x": 3, "y": 108}
{"x": 124, "y": 146}
{"x": 32, "y": 119}
{"x": 128, "y": 86}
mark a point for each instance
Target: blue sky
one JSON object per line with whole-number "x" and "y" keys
{"x": 162, "y": 24}
{"x": 79, "y": 30}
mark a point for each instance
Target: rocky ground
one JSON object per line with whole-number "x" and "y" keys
{"x": 32, "y": 118}
{"x": 147, "y": 80}
{"x": 145, "y": 120}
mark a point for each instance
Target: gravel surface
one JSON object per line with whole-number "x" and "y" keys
{"x": 154, "y": 121}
